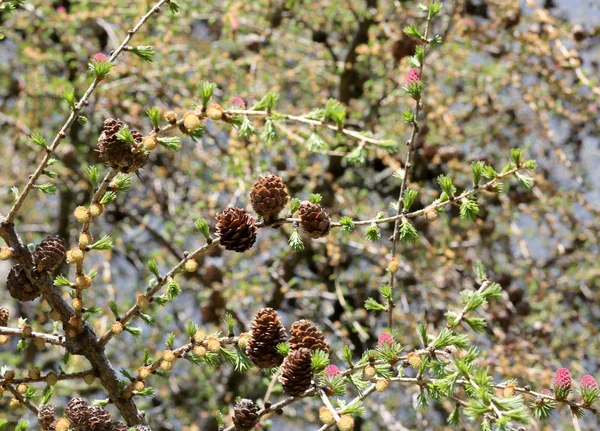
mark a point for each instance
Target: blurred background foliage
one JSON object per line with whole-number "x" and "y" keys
{"x": 508, "y": 74}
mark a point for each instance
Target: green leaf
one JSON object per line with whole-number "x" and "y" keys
{"x": 100, "y": 68}
{"x": 295, "y": 241}
{"x": 247, "y": 128}
{"x": 319, "y": 360}
{"x": 154, "y": 115}
{"x": 170, "y": 142}
{"x": 414, "y": 89}
{"x": 335, "y": 111}
{"x": 112, "y": 305}
{"x": 22, "y": 425}
{"x": 92, "y": 173}
{"x": 122, "y": 182}
{"x": 170, "y": 340}
{"x": 153, "y": 268}
{"x": 515, "y": 156}
{"x": 38, "y": 140}
{"x": 146, "y": 53}
{"x": 68, "y": 96}
{"x": 269, "y": 133}
{"x": 435, "y": 9}
{"x": 445, "y": 183}
{"x": 407, "y": 232}
{"x": 61, "y": 281}
{"x": 108, "y": 198}
{"x": 412, "y": 31}
{"x": 408, "y": 116}
{"x": 202, "y": 227}
{"x": 477, "y": 171}
{"x": 282, "y": 349}
{"x": 205, "y": 90}
{"x": 373, "y": 233}
{"x": 315, "y": 198}
{"x": 49, "y": 188}
{"x": 373, "y": 305}
{"x": 267, "y": 103}
{"x": 469, "y": 209}
{"x": 125, "y": 135}
{"x": 294, "y": 205}
{"x": 315, "y": 142}
{"x": 409, "y": 198}
{"x": 358, "y": 156}
{"x": 136, "y": 332}
{"x": 479, "y": 270}
{"x": 173, "y": 7}
{"x": 105, "y": 243}
{"x": 524, "y": 180}
{"x": 347, "y": 224}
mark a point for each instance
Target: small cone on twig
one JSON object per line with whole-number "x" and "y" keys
{"x": 267, "y": 332}
{"x": 296, "y": 372}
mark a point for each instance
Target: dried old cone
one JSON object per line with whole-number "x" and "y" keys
{"x": 118, "y": 426}
{"x": 4, "y": 316}
{"x": 49, "y": 253}
{"x": 304, "y": 334}
{"x": 296, "y": 372}
{"x": 46, "y": 417}
{"x": 245, "y": 415}
{"x": 236, "y": 229}
{"x": 19, "y": 286}
{"x": 314, "y": 220}
{"x": 117, "y": 153}
{"x": 269, "y": 196}
{"x": 77, "y": 410}
{"x": 267, "y": 333}
{"x": 99, "y": 418}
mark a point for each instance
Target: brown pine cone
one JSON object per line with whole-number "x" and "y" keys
{"x": 296, "y": 372}
{"x": 46, "y": 416}
{"x": 99, "y": 418}
{"x": 304, "y": 334}
{"x": 267, "y": 332}
{"x": 269, "y": 196}
{"x": 314, "y": 220}
{"x": 118, "y": 426}
{"x": 49, "y": 253}
{"x": 4, "y": 316}
{"x": 245, "y": 415}
{"x": 19, "y": 286}
{"x": 119, "y": 154}
{"x": 236, "y": 229}
{"x": 78, "y": 412}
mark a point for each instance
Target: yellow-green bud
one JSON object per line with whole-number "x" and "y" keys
{"x": 82, "y": 214}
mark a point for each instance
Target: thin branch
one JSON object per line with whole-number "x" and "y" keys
{"x": 74, "y": 114}
{"x": 17, "y": 332}
{"x": 22, "y": 399}
{"x": 71, "y": 376}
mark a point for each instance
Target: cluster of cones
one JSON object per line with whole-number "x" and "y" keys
{"x": 296, "y": 368}
{"x": 47, "y": 256}
{"x": 81, "y": 417}
{"x": 237, "y": 228}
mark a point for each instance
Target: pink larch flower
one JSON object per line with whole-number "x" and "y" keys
{"x": 385, "y": 338}
{"x": 562, "y": 379}
{"x": 589, "y": 382}
{"x": 99, "y": 57}
{"x": 237, "y": 102}
{"x": 332, "y": 371}
{"x": 61, "y": 9}
{"x": 412, "y": 76}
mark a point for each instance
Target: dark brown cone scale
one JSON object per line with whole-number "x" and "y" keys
{"x": 118, "y": 154}
{"x": 296, "y": 372}
{"x": 118, "y": 426}
{"x": 267, "y": 332}
{"x": 78, "y": 412}
{"x": 245, "y": 415}
{"x": 49, "y": 253}
{"x": 4, "y": 316}
{"x": 236, "y": 229}
{"x": 99, "y": 419}
{"x": 46, "y": 417}
{"x": 314, "y": 220}
{"x": 269, "y": 196}
{"x": 19, "y": 286}
{"x": 304, "y": 334}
